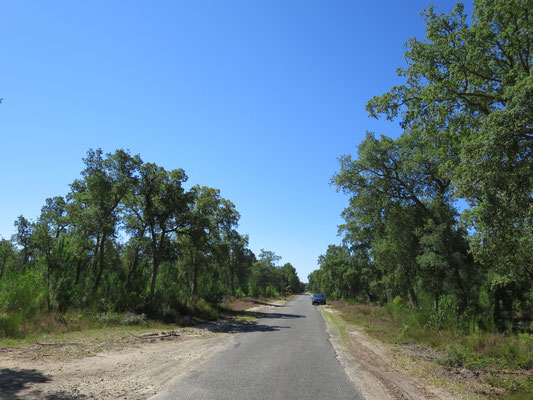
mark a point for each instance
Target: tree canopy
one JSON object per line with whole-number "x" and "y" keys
{"x": 130, "y": 236}
{"x": 446, "y": 209}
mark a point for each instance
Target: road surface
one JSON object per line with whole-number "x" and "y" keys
{"x": 285, "y": 355}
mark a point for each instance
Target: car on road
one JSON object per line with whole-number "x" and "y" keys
{"x": 318, "y": 298}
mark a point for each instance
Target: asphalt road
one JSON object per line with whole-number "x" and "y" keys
{"x": 285, "y": 355}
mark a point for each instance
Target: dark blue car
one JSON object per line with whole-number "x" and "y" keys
{"x": 319, "y": 298}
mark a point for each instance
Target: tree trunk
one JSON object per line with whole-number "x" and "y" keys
{"x": 156, "y": 256}
{"x": 133, "y": 268}
{"x": 232, "y": 281}
{"x": 384, "y": 291}
{"x": 412, "y": 293}
{"x": 463, "y": 297}
{"x": 48, "y": 303}
{"x": 4, "y": 262}
{"x": 195, "y": 273}
{"x": 25, "y": 256}
{"x": 78, "y": 270}
{"x": 496, "y": 315}
{"x": 155, "y": 270}
{"x": 101, "y": 261}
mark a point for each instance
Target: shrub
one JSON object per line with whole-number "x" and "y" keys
{"x": 9, "y": 324}
{"x": 24, "y": 294}
{"x": 213, "y": 293}
{"x": 126, "y": 319}
{"x": 201, "y": 308}
{"x": 445, "y": 316}
{"x": 254, "y": 291}
{"x": 21, "y": 298}
{"x": 417, "y": 318}
{"x": 395, "y": 308}
{"x": 271, "y": 292}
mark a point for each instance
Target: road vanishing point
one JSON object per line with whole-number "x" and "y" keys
{"x": 284, "y": 355}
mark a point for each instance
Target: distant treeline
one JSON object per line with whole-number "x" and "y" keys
{"x": 130, "y": 237}
{"x": 466, "y": 110}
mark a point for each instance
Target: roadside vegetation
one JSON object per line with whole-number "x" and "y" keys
{"x": 495, "y": 365}
{"x": 438, "y": 234}
{"x": 79, "y": 333}
{"x": 129, "y": 243}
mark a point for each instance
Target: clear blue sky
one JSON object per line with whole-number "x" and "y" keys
{"x": 256, "y": 98}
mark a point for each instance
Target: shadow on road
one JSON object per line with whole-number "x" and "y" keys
{"x": 238, "y": 325}
{"x": 12, "y": 382}
{"x": 281, "y": 316}
{"x": 262, "y": 303}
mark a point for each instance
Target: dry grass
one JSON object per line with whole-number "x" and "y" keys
{"x": 483, "y": 365}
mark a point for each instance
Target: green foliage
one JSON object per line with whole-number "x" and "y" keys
{"x": 445, "y": 316}
{"x": 22, "y": 294}
{"x": 10, "y": 323}
{"x": 486, "y": 350}
{"x": 128, "y": 241}
{"x": 269, "y": 280}
{"x": 417, "y": 319}
{"x": 126, "y": 319}
{"x": 395, "y": 308}
{"x": 340, "y": 275}
{"x": 21, "y": 299}
{"x": 465, "y": 109}
{"x": 200, "y": 307}
{"x": 506, "y": 360}
{"x": 7, "y": 257}
{"x": 270, "y": 291}
{"x": 213, "y": 292}
{"x": 254, "y": 291}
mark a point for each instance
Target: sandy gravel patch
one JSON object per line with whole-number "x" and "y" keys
{"x": 135, "y": 372}
{"x": 134, "y": 366}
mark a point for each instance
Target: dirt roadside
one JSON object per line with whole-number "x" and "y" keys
{"x": 135, "y": 367}
{"x": 382, "y": 371}
{"x": 142, "y": 365}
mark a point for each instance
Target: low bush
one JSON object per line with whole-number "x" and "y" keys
{"x": 24, "y": 294}
{"x": 492, "y": 350}
{"x": 9, "y": 324}
{"x": 445, "y": 316}
{"x": 22, "y": 297}
{"x": 270, "y": 291}
{"x": 124, "y": 319}
{"x": 504, "y": 359}
{"x": 395, "y": 308}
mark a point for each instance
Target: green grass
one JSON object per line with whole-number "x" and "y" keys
{"x": 337, "y": 323}
{"x": 57, "y": 323}
{"x": 89, "y": 342}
